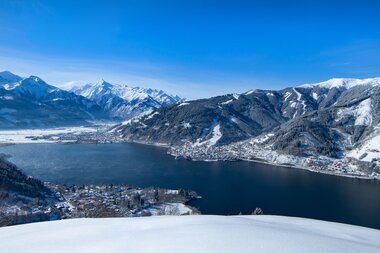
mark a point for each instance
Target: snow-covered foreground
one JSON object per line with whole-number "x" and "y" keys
{"x": 189, "y": 234}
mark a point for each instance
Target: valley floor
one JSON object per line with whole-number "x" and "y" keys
{"x": 42, "y": 135}
{"x": 189, "y": 234}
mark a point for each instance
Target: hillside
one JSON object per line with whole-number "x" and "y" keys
{"x": 24, "y": 199}
{"x": 330, "y": 126}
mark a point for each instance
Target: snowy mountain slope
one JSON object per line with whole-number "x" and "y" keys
{"x": 192, "y": 120}
{"x": 124, "y": 101}
{"x": 335, "y": 130}
{"x": 30, "y": 102}
{"x": 190, "y": 234}
{"x": 342, "y": 139}
{"x": 368, "y": 148}
{"x": 250, "y": 114}
{"x": 328, "y": 119}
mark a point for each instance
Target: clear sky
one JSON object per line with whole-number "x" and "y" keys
{"x": 192, "y": 48}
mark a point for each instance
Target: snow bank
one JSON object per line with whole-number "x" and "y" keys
{"x": 189, "y": 234}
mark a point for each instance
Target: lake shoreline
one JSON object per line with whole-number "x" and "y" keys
{"x": 100, "y": 134}
{"x": 41, "y": 139}
{"x": 227, "y": 188}
{"x": 25, "y": 199}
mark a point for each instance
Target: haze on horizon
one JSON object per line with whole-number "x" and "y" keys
{"x": 191, "y": 48}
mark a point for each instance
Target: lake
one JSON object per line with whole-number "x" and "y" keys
{"x": 226, "y": 187}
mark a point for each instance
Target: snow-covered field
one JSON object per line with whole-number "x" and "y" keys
{"x": 189, "y": 234}
{"x": 24, "y": 135}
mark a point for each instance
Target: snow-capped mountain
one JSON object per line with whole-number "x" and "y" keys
{"x": 344, "y": 82}
{"x": 338, "y": 118}
{"x": 30, "y": 102}
{"x": 124, "y": 101}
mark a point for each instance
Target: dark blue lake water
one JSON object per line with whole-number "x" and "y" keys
{"x": 226, "y": 187}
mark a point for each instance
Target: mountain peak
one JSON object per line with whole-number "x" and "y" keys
{"x": 104, "y": 84}
{"x": 36, "y": 79}
{"x": 7, "y": 76}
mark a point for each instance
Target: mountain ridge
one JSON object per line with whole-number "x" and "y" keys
{"x": 344, "y": 82}
{"x": 124, "y": 101}
{"x": 30, "y": 102}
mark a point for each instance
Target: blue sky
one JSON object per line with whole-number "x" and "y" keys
{"x": 192, "y": 48}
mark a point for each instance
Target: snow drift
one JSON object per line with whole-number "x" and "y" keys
{"x": 189, "y": 234}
